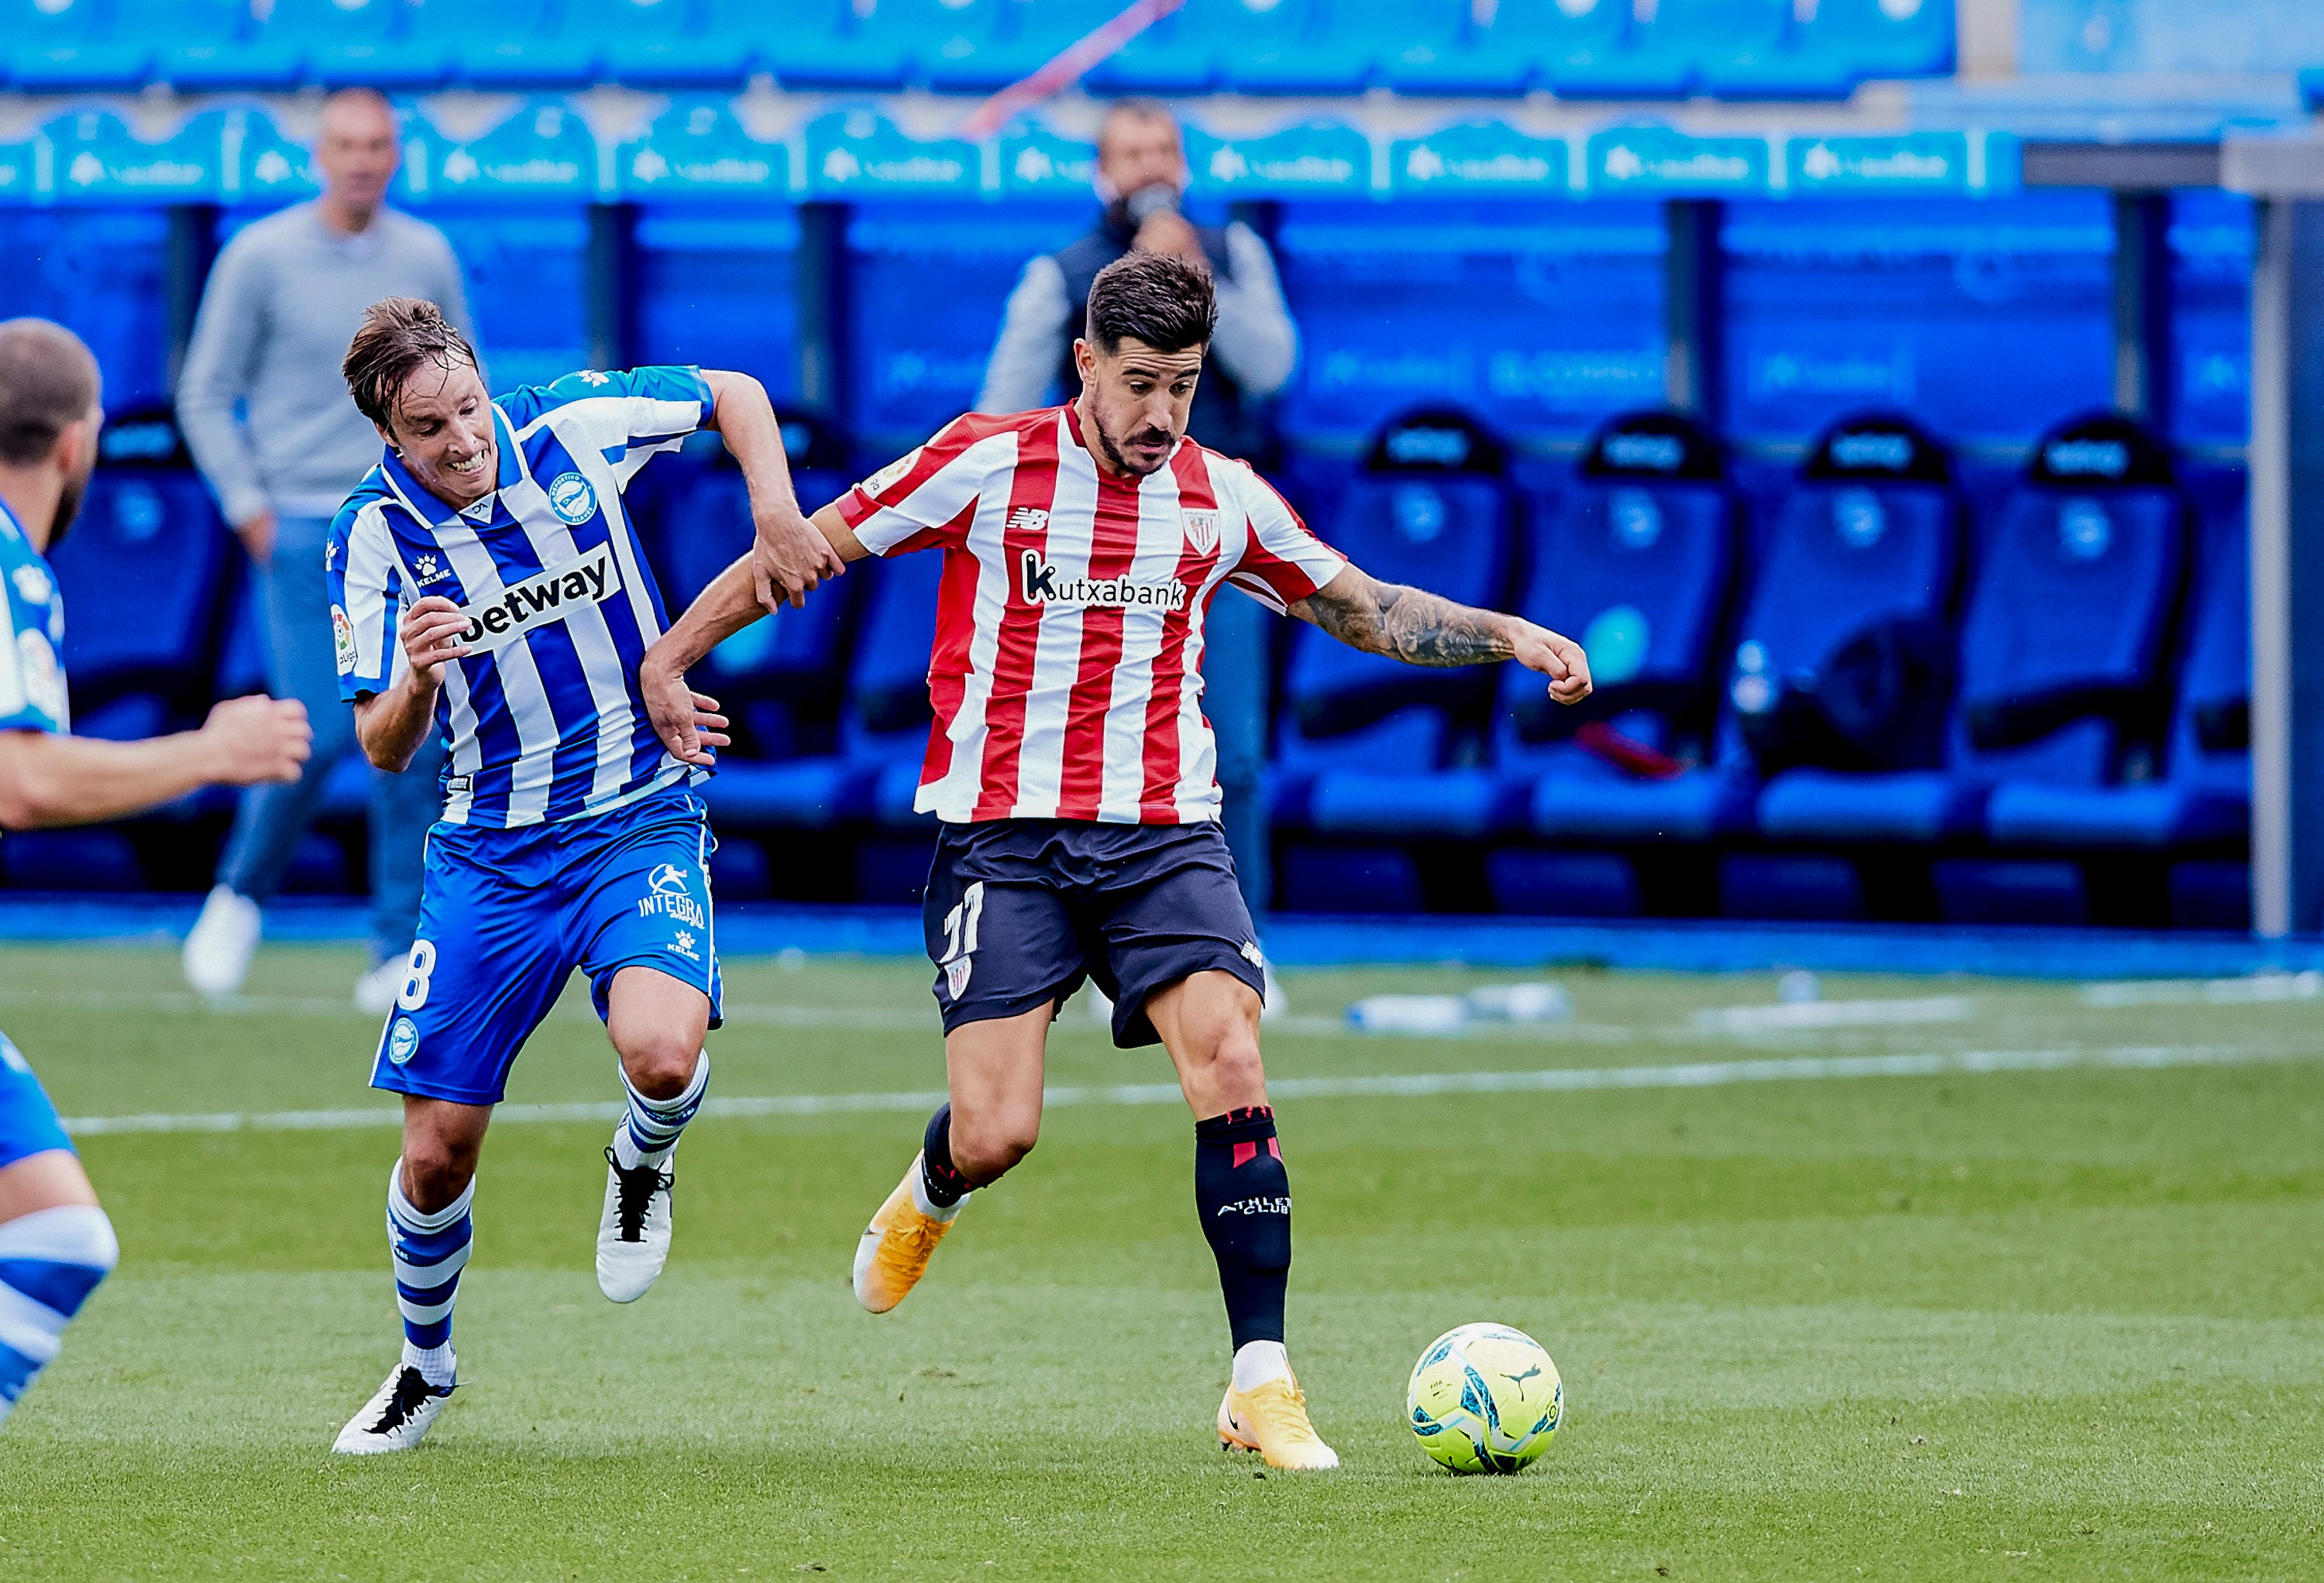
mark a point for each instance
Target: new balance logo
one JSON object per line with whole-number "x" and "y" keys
{"x": 1027, "y": 519}
{"x": 590, "y": 579}
{"x": 1045, "y": 584}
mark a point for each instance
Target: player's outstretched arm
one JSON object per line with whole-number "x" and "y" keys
{"x": 1420, "y": 628}
{"x": 687, "y": 721}
{"x": 790, "y": 557}
{"x": 48, "y": 778}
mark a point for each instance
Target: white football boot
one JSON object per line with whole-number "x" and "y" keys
{"x": 633, "y": 1232}
{"x": 219, "y": 946}
{"x": 397, "y": 1417}
{"x": 376, "y": 990}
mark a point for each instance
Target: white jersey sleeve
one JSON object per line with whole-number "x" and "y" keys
{"x": 1282, "y": 561}
{"x": 928, "y": 497}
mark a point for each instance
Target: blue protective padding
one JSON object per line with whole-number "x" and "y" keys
{"x": 1918, "y": 805}
{"x": 2075, "y": 591}
{"x": 1794, "y": 886}
{"x": 1995, "y": 890}
{"x": 1840, "y": 559}
{"x": 1370, "y": 880}
{"x": 813, "y": 793}
{"x": 1453, "y": 804}
{"x": 1450, "y": 534}
{"x": 682, "y": 42}
{"x": 1661, "y": 552}
{"x": 1584, "y": 800}
{"x": 140, "y": 574}
{"x": 1572, "y": 885}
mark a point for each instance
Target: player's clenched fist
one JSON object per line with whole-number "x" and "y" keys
{"x": 1555, "y": 656}
{"x": 257, "y": 738}
{"x": 430, "y": 633}
{"x": 790, "y": 557}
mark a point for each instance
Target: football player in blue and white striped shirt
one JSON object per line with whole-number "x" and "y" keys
{"x": 55, "y": 1243}
{"x": 486, "y": 583}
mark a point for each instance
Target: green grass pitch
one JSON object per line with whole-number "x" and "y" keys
{"x": 2057, "y": 1323}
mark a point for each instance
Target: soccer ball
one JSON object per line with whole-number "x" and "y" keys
{"x": 1485, "y": 1399}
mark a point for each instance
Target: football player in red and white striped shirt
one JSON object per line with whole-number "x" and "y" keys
{"x": 1071, "y": 766}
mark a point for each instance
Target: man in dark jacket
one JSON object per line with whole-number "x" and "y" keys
{"x": 1141, "y": 176}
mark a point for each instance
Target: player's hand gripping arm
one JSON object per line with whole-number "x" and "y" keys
{"x": 392, "y": 725}
{"x": 790, "y": 557}
{"x": 48, "y": 778}
{"x": 688, "y": 723}
{"x": 1419, "y": 628}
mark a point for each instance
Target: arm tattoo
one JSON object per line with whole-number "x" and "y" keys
{"x": 1408, "y": 624}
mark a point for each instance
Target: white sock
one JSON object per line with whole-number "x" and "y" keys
{"x": 1258, "y": 1362}
{"x": 436, "y": 1364}
{"x": 942, "y": 1213}
{"x": 649, "y": 1134}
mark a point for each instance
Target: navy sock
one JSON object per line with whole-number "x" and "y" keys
{"x": 1244, "y": 1197}
{"x": 943, "y": 1184}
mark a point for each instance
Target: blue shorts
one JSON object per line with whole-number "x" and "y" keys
{"x": 506, "y": 915}
{"x": 28, "y": 1122}
{"x": 1020, "y": 911}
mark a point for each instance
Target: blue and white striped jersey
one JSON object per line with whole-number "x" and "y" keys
{"x": 31, "y": 632}
{"x": 544, "y": 720}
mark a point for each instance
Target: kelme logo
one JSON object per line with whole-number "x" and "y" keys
{"x": 572, "y": 499}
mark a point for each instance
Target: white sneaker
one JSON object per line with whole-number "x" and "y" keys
{"x": 376, "y": 990}
{"x": 633, "y": 1232}
{"x": 219, "y": 946}
{"x": 396, "y": 1418}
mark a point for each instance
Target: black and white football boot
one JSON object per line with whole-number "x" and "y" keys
{"x": 633, "y": 1232}
{"x": 397, "y": 1417}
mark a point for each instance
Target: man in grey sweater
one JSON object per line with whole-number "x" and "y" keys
{"x": 275, "y": 320}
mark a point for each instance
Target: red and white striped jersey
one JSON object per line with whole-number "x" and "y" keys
{"x": 1067, "y": 670}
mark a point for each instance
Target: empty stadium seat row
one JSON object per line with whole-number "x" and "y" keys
{"x": 1603, "y": 48}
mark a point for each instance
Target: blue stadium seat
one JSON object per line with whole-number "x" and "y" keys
{"x": 327, "y": 41}
{"x": 1635, "y": 562}
{"x": 1751, "y": 49}
{"x": 191, "y": 43}
{"x": 652, "y": 44}
{"x": 956, "y": 46}
{"x": 2061, "y": 648}
{"x": 1433, "y": 47}
{"x": 50, "y": 46}
{"x": 1581, "y": 49}
{"x": 1433, "y": 508}
{"x": 1252, "y": 46}
{"x": 141, "y": 573}
{"x": 2203, "y": 797}
{"x": 1878, "y": 38}
{"x": 521, "y": 45}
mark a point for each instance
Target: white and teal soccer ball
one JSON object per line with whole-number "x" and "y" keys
{"x": 1485, "y": 1399}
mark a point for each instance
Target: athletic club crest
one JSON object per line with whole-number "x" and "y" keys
{"x": 1202, "y": 531}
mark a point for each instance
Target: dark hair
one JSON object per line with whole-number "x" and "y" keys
{"x": 1158, "y": 298}
{"x": 398, "y": 336}
{"x": 48, "y": 383}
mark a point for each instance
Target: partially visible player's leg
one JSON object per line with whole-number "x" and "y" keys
{"x": 55, "y": 1243}
{"x": 657, "y": 1024}
{"x": 990, "y": 1120}
{"x": 643, "y": 908}
{"x": 488, "y": 963}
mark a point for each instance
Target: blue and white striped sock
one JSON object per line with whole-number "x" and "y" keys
{"x": 430, "y": 1251}
{"x": 650, "y": 1132}
{"x": 51, "y": 1260}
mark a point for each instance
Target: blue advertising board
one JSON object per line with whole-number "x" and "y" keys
{"x": 541, "y": 149}
{"x": 1478, "y": 157}
{"x": 1935, "y": 164}
{"x": 96, "y": 157}
{"x": 1036, "y": 162}
{"x": 852, "y": 152}
{"x": 258, "y": 164}
{"x": 698, "y": 146}
{"x": 1661, "y": 161}
{"x": 1316, "y": 159}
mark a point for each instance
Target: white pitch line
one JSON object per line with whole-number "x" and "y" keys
{"x": 1695, "y": 1074}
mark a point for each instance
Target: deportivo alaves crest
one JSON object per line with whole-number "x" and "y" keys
{"x": 592, "y": 577}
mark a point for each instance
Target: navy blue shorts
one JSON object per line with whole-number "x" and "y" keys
{"x": 1020, "y": 911}
{"x": 28, "y": 1122}
{"x": 506, "y": 915}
